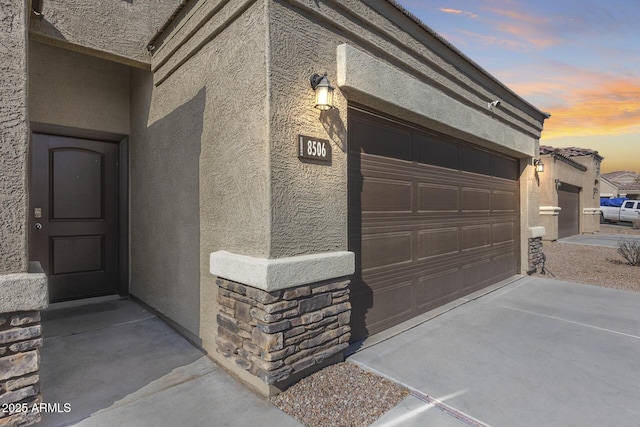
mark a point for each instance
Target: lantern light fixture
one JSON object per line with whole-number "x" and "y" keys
{"x": 324, "y": 91}
{"x": 539, "y": 165}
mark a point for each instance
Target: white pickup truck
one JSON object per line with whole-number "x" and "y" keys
{"x": 628, "y": 211}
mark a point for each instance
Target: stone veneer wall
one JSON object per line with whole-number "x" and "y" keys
{"x": 536, "y": 255}
{"x": 20, "y": 339}
{"x": 275, "y": 335}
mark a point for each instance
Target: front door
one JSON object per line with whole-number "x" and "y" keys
{"x": 74, "y": 215}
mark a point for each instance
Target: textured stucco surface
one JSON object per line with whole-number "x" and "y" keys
{"x": 71, "y": 89}
{"x": 282, "y": 273}
{"x": 444, "y": 112}
{"x": 14, "y": 133}
{"x": 309, "y": 201}
{"x": 199, "y": 171}
{"x": 586, "y": 180}
{"x": 24, "y": 291}
{"x": 118, "y": 30}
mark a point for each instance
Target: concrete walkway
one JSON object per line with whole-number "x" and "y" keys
{"x": 606, "y": 240}
{"x": 535, "y": 353}
{"x": 116, "y": 364}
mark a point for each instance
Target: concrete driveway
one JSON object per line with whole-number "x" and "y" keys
{"x": 606, "y": 240}
{"x": 536, "y": 352}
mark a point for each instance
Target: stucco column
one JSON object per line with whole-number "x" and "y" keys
{"x": 14, "y": 136}
{"x": 23, "y": 289}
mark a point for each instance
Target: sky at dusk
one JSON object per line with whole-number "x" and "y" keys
{"x": 576, "y": 59}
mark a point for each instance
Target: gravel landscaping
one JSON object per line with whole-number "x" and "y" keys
{"x": 340, "y": 395}
{"x": 594, "y": 265}
{"x": 346, "y": 395}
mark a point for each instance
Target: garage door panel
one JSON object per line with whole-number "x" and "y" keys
{"x": 503, "y": 266}
{"x": 386, "y": 195}
{"x": 398, "y": 298}
{"x": 476, "y": 236}
{"x": 437, "y": 242}
{"x": 476, "y": 274}
{"x": 372, "y": 137}
{"x": 504, "y": 201}
{"x": 475, "y": 160}
{"x": 437, "y": 198}
{"x": 476, "y": 200}
{"x": 433, "y": 151}
{"x": 386, "y": 249}
{"x": 427, "y": 228}
{"x": 503, "y": 232}
{"x": 569, "y": 216}
{"x": 435, "y": 288}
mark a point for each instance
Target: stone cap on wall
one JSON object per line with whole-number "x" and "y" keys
{"x": 550, "y": 210}
{"x": 24, "y": 291}
{"x": 591, "y": 211}
{"x": 537, "y": 231}
{"x": 281, "y": 273}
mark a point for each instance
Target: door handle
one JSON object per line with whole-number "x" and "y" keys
{"x": 37, "y": 226}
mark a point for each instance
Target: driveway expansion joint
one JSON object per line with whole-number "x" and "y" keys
{"x": 461, "y": 416}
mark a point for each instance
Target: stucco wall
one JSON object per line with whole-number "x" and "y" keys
{"x": 586, "y": 180}
{"x": 71, "y": 89}
{"x": 589, "y": 199}
{"x": 14, "y": 133}
{"x": 118, "y": 30}
{"x": 607, "y": 189}
{"x": 309, "y": 201}
{"x": 200, "y": 168}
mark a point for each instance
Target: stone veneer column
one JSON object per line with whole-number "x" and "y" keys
{"x": 22, "y": 296}
{"x": 281, "y": 319}
{"x": 536, "y": 256}
{"x": 20, "y": 338}
{"x": 275, "y": 335}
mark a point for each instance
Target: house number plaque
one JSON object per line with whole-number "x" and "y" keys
{"x": 314, "y": 148}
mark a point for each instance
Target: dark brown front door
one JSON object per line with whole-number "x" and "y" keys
{"x": 431, "y": 219}
{"x": 74, "y": 215}
{"x": 569, "y": 216}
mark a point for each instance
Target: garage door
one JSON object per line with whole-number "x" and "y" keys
{"x": 569, "y": 216}
{"x": 430, "y": 219}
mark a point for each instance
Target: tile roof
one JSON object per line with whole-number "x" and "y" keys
{"x": 614, "y": 175}
{"x": 635, "y": 187}
{"x": 570, "y": 151}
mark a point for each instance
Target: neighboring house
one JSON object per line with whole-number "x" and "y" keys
{"x": 620, "y": 184}
{"x": 188, "y": 168}
{"x": 569, "y": 191}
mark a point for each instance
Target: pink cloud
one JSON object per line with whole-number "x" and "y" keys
{"x": 458, "y": 12}
{"x": 610, "y": 108}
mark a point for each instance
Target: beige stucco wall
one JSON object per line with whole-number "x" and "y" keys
{"x": 70, "y": 89}
{"x": 14, "y": 137}
{"x": 586, "y": 180}
{"x": 199, "y": 164}
{"x": 309, "y": 201}
{"x": 116, "y": 30}
{"x": 607, "y": 189}
{"x": 590, "y": 195}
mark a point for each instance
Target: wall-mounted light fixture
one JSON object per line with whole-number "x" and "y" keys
{"x": 595, "y": 191}
{"x": 539, "y": 165}
{"x": 324, "y": 91}
{"x": 558, "y": 184}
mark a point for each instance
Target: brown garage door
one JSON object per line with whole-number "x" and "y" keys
{"x": 430, "y": 219}
{"x": 569, "y": 216}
